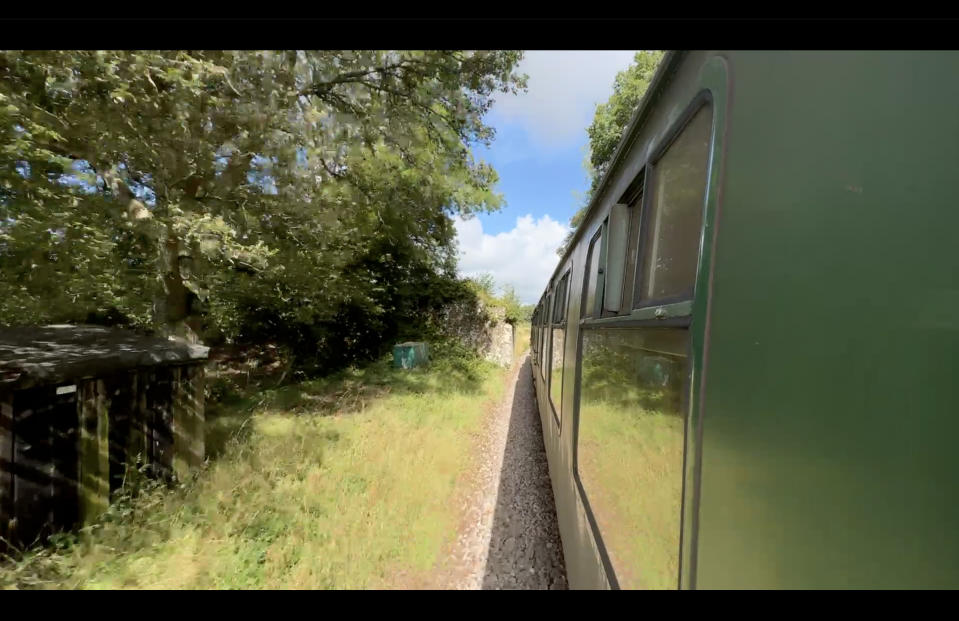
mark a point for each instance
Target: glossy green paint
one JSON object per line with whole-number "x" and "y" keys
{"x": 825, "y": 330}
{"x": 830, "y": 406}
{"x": 715, "y": 79}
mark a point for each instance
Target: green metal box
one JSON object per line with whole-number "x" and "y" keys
{"x": 410, "y": 354}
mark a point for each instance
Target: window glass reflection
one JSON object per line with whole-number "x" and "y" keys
{"x": 556, "y": 371}
{"x": 630, "y": 447}
{"x": 671, "y": 245}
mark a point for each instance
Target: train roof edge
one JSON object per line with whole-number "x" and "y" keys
{"x": 666, "y": 66}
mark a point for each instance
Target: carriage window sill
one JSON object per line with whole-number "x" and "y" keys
{"x": 666, "y": 311}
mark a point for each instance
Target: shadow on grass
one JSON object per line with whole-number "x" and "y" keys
{"x": 227, "y": 422}
{"x": 232, "y": 403}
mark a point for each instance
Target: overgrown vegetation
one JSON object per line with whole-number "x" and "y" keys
{"x": 521, "y": 336}
{"x": 302, "y": 198}
{"x": 319, "y": 484}
{"x": 294, "y": 210}
{"x": 484, "y": 287}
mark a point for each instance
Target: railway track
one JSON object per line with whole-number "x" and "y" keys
{"x": 508, "y": 536}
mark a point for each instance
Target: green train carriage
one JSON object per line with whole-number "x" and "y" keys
{"x": 745, "y": 364}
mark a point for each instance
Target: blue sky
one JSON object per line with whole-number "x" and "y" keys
{"x": 539, "y": 153}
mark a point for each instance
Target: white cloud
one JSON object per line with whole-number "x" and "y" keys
{"x": 563, "y": 90}
{"x": 524, "y": 257}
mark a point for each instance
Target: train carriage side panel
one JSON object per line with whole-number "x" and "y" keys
{"x": 586, "y": 560}
{"x": 829, "y": 435}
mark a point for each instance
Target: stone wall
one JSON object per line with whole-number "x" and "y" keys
{"x": 482, "y": 328}
{"x": 499, "y": 345}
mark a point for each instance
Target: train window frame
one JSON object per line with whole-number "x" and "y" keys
{"x": 558, "y": 320}
{"x": 629, "y": 203}
{"x": 633, "y": 198}
{"x": 599, "y": 285}
{"x": 672, "y": 322}
{"x": 617, "y": 228}
{"x": 536, "y": 335}
{"x": 547, "y": 340}
{"x": 539, "y": 335}
{"x": 532, "y": 334}
{"x": 561, "y": 290}
{"x": 677, "y": 312}
{"x": 683, "y": 300}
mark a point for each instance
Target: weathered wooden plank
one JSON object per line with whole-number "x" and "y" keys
{"x": 188, "y": 419}
{"x": 94, "y": 464}
{"x": 197, "y": 389}
{"x": 122, "y": 405}
{"x": 64, "y": 456}
{"x": 139, "y": 440}
{"x": 103, "y": 444}
{"x": 44, "y": 462}
{"x": 31, "y": 458}
{"x": 6, "y": 465}
{"x": 62, "y": 452}
{"x": 161, "y": 404}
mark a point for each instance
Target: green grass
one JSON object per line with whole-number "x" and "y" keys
{"x": 520, "y": 339}
{"x": 345, "y": 482}
{"x": 630, "y": 462}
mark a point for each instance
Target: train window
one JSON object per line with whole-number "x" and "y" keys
{"x": 545, "y": 342}
{"x": 617, "y": 230}
{"x": 630, "y": 444}
{"x": 542, "y": 348}
{"x": 594, "y": 276}
{"x": 673, "y": 224}
{"x": 556, "y": 372}
{"x": 536, "y": 332}
{"x": 559, "y": 308}
{"x": 532, "y": 334}
{"x": 557, "y": 353}
{"x": 543, "y": 345}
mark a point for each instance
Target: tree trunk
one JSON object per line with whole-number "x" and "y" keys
{"x": 174, "y": 307}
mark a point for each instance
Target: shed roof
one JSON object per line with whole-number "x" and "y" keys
{"x": 50, "y": 354}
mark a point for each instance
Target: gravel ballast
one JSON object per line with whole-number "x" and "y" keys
{"x": 508, "y": 537}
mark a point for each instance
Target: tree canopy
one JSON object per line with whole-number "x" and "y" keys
{"x": 484, "y": 287}
{"x": 228, "y": 194}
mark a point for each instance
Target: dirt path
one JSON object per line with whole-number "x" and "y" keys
{"x": 508, "y": 538}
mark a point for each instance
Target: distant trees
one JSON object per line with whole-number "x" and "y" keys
{"x": 304, "y": 196}
{"x": 516, "y": 311}
{"x": 484, "y": 285}
{"x": 609, "y": 122}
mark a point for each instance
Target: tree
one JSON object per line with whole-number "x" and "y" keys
{"x": 484, "y": 285}
{"x": 609, "y": 123}
{"x": 236, "y": 192}
{"x": 514, "y": 308}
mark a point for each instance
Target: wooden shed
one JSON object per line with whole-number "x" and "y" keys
{"x": 81, "y": 404}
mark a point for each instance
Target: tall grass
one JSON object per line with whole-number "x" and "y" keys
{"x": 345, "y": 482}
{"x": 521, "y": 332}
